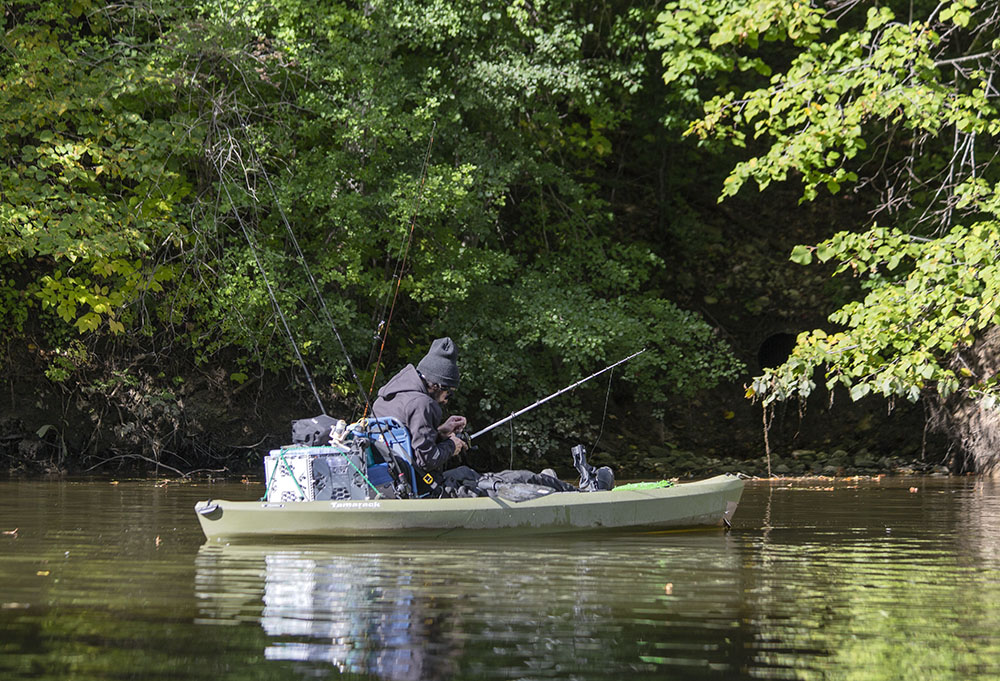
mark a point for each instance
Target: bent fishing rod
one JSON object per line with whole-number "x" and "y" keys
{"x": 555, "y": 394}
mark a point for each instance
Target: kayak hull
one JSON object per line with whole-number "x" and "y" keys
{"x": 706, "y": 503}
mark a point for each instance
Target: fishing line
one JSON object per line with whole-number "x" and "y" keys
{"x": 315, "y": 288}
{"x": 397, "y": 273}
{"x": 402, "y": 263}
{"x": 511, "y": 446}
{"x": 605, "y": 416}
{"x": 270, "y": 292}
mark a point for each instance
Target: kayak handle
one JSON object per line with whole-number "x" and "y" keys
{"x": 206, "y": 508}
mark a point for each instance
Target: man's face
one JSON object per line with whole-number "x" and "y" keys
{"x": 443, "y": 395}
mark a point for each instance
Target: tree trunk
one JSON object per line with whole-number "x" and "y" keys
{"x": 973, "y": 429}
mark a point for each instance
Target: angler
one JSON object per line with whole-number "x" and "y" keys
{"x": 415, "y": 397}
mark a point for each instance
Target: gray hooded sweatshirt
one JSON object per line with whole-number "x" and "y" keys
{"x": 405, "y": 398}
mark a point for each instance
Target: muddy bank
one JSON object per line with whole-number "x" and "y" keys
{"x": 29, "y": 452}
{"x": 209, "y": 438}
{"x": 798, "y": 463}
{"x": 145, "y": 416}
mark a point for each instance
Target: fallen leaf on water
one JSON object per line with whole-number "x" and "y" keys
{"x": 14, "y": 606}
{"x": 114, "y": 482}
{"x": 914, "y": 490}
{"x": 42, "y": 573}
{"x": 668, "y": 588}
{"x": 157, "y": 540}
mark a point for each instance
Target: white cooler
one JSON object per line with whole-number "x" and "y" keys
{"x": 314, "y": 474}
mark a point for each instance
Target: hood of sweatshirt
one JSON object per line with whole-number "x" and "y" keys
{"x": 406, "y": 381}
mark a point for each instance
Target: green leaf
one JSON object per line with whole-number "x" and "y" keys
{"x": 801, "y": 255}
{"x": 859, "y": 390}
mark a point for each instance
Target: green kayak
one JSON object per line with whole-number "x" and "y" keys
{"x": 706, "y": 503}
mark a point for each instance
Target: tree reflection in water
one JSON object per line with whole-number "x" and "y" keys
{"x": 818, "y": 581}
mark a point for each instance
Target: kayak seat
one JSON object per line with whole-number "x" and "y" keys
{"x": 390, "y": 438}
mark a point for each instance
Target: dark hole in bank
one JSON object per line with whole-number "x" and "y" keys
{"x": 775, "y": 350}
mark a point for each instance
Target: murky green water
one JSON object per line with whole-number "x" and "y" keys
{"x": 846, "y": 580}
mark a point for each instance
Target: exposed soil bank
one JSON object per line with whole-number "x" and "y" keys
{"x": 123, "y": 412}
{"x": 200, "y": 425}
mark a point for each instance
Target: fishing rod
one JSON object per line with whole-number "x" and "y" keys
{"x": 555, "y": 394}
{"x": 382, "y": 332}
{"x": 271, "y": 294}
{"x": 315, "y": 288}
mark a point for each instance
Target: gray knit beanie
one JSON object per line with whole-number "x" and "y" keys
{"x": 439, "y": 364}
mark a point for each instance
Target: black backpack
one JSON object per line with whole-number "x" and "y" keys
{"x": 313, "y": 432}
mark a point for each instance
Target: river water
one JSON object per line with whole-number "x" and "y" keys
{"x": 890, "y": 579}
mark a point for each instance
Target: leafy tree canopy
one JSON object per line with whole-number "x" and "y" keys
{"x": 899, "y": 98}
{"x": 163, "y": 163}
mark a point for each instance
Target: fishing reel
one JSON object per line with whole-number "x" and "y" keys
{"x": 463, "y": 458}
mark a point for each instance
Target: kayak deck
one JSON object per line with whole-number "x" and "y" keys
{"x": 705, "y": 503}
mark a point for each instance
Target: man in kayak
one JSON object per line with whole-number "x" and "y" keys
{"x": 415, "y": 397}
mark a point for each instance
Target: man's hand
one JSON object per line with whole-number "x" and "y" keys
{"x": 454, "y": 424}
{"x": 459, "y": 444}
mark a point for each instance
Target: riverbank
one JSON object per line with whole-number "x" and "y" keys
{"x": 804, "y": 463}
{"x": 206, "y": 428}
{"x": 798, "y": 465}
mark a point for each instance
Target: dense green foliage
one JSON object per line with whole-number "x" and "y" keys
{"x": 899, "y": 101}
{"x": 162, "y": 160}
{"x": 92, "y": 170}
{"x": 530, "y": 176}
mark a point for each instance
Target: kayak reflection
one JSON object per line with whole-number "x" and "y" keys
{"x": 436, "y": 610}
{"x": 365, "y": 612}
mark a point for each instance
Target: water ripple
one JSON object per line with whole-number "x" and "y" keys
{"x": 824, "y": 581}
